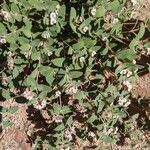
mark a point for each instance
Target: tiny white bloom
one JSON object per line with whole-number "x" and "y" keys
{"x": 46, "y": 35}
{"x": 124, "y": 102}
{"x": 148, "y": 51}
{"x": 123, "y": 72}
{"x": 93, "y": 11}
{"x": 128, "y": 85}
{"x": 93, "y": 54}
{"x": 2, "y": 40}
{"x": 82, "y": 59}
{"x": 134, "y": 61}
{"x": 104, "y": 39}
{"x": 115, "y": 20}
{"x": 81, "y": 19}
{"x": 91, "y": 134}
{"x": 85, "y": 29}
{"x": 28, "y": 94}
{"x": 129, "y": 73}
{"x": 5, "y": 14}
{"x": 134, "y": 2}
{"x": 71, "y": 90}
{"x": 57, "y": 93}
{"x": 49, "y": 53}
{"x": 53, "y": 18}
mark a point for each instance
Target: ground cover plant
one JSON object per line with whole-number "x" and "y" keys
{"x": 75, "y": 66}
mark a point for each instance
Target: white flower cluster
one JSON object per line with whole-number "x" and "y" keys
{"x": 27, "y": 94}
{"x": 57, "y": 118}
{"x": 2, "y": 40}
{"x": 40, "y": 104}
{"x": 69, "y": 133}
{"x": 128, "y": 85}
{"x": 108, "y": 131}
{"x": 5, "y": 15}
{"x": 126, "y": 72}
{"x": 145, "y": 52}
{"x": 124, "y": 102}
{"x": 71, "y": 90}
{"x": 53, "y": 15}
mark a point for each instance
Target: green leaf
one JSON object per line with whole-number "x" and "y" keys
{"x": 69, "y": 121}
{"x": 5, "y": 94}
{"x": 92, "y": 118}
{"x": 58, "y": 62}
{"x": 13, "y": 109}
{"x": 60, "y": 127}
{"x": 78, "y": 45}
{"x": 14, "y": 8}
{"x": 141, "y": 31}
{"x": 25, "y": 47}
{"x": 3, "y": 30}
{"x": 75, "y": 74}
{"x": 100, "y": 12}
{"x": 101, "y": 105}
{"x": 6, "y": 123}
{"x": 107, "y": 139}
{"x": 72, "y": 19}
{"x": 80, "y": 95}
{"x": 126, "y": 54}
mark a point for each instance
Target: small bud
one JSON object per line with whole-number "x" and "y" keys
{"x": 82, "y": 59}
{"x": 93, "y": 11}
{"x": 85, "y": 29}
{"x": 93, "y": 54}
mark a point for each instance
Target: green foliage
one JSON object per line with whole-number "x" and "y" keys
{"x": 62, "y": 53}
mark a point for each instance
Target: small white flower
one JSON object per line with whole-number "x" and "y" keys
{"x": 71, "y": 90}
{"x": 93, "y": 11}
{"x": 124, "y": 102}
{"x": 53, "y": 18}
{"x": 148, "y": 51}
{"x": 28, "y": 94}
{"x": 40, "y": 105}
{"x": 82, "y": 59}
{"x": 133, "y": 15}
{"x": 134, "y": 61}
{"x": 134, "y": 2}
{"x": 5, "y": 15}
{"x": 93, "y": 54}
{"x": 104, "y": 39}
{"x": 68, "y": 135}
{"x": 81, "y": 19}
{"x": 85, "y": 29}
{"x": 115, "y": 20}
{"x": 126, "y": 72}
{"x": 91, "y": 134}
{"x": 123, "y": 72}
{"x": 49, "y": 53}
{"x": 57, "y": 93}
{"x": 128, "y": 85}
{"x": 46, "y": 35}
{"x": 2, "y": 40}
